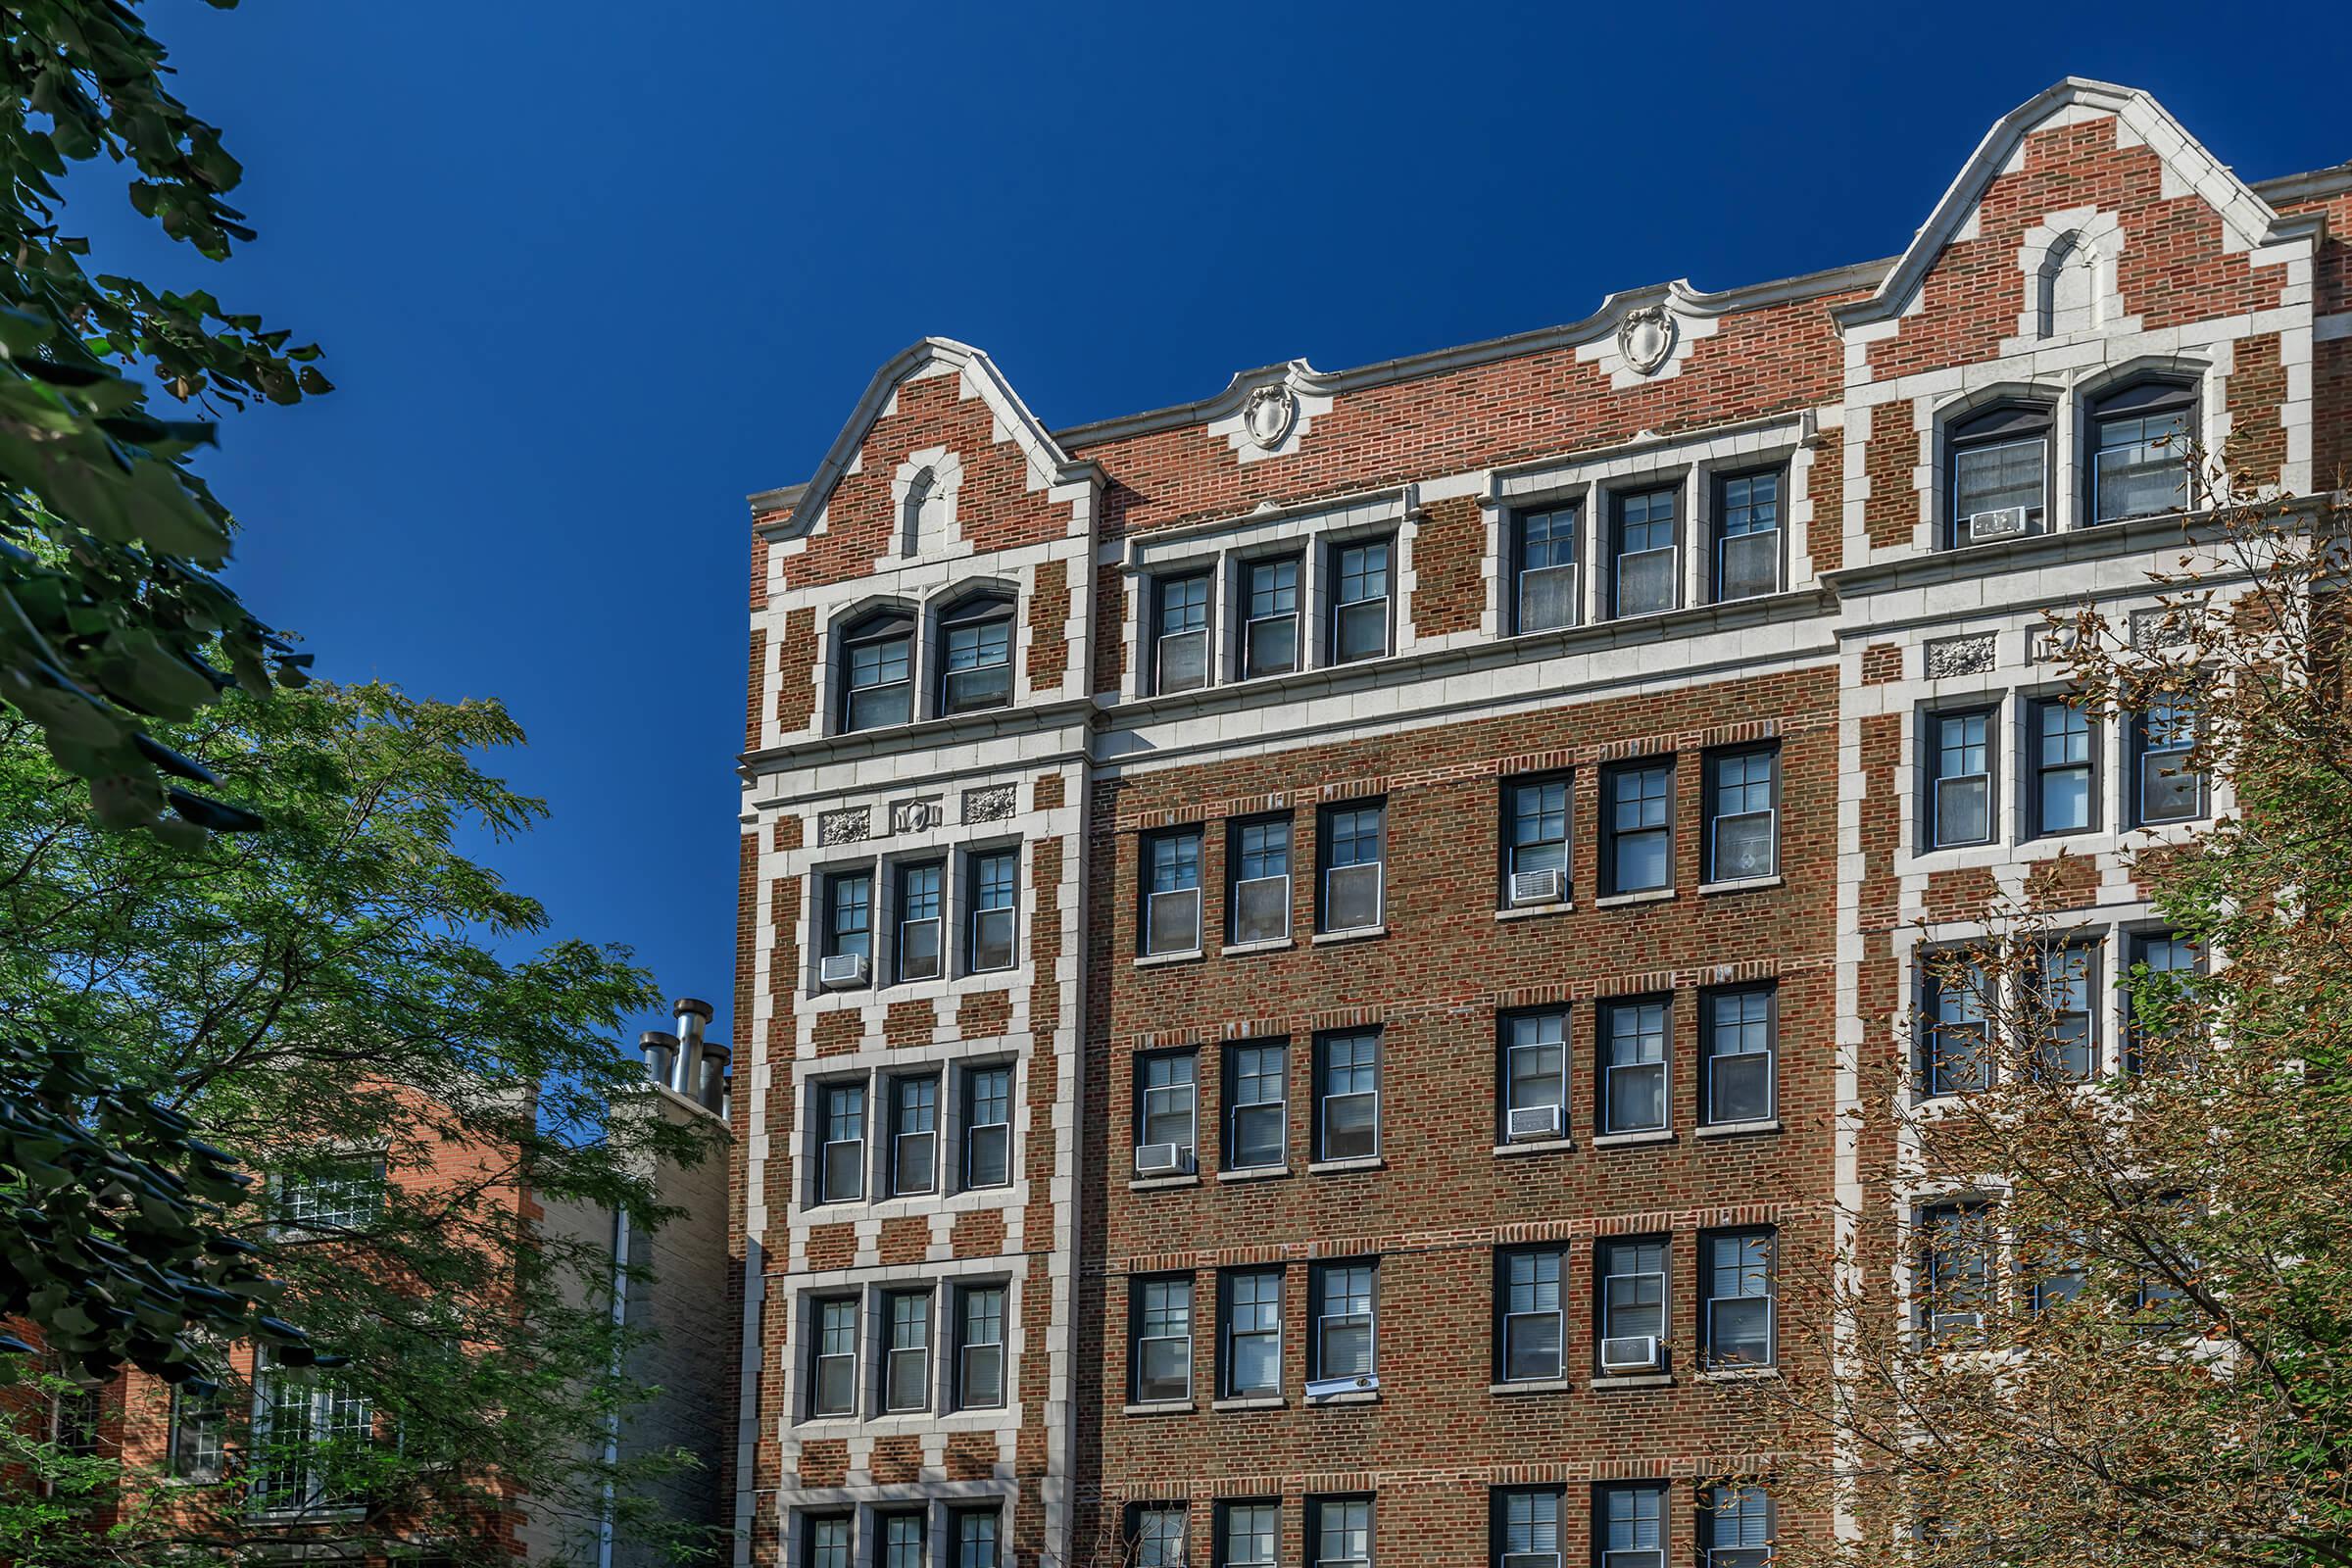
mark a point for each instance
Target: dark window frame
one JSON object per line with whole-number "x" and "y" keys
{"x": 1146, "y": 875}
{"x": 977, "y": 608}
{"x": 1718, "y": 513}
{"x": 1619, "y": 498}
{"x": 884, "y": 624}
{"x": 1931, "y": 750}
{"x": 1335, "y": 552}
{"x": 1515, "y": 611}
{"x": 1499, "y": 1502}
{"x": 1509, "y": 842}
{"x": 1227, "y": 1280}
{"x": 1245, "y": 615}
{"x": 1325, "y": 817}
{"x": 1237, "y": 861}
{"x": 1221, "y": 1547}
{"x": 975, "y": 873}
{"x": 1230, "y": 1082}
{"x": 1160, "y": 603}
{"x": 1139, "y": 1287}
{"x": 2138, "y": 397}
{"x": 1662, "y": 1491}
{"x": 1611, "y": 835}
{"x": 1321, "y": 1067}
{"x": 2005, "y": 423}
{"x": 1709, "y": 1024}
{"x": 1605, "y": 1269}
{"x": 2036, "y": 766}
{"x": 1562, "y": 1275}
{"x": 1712, "y": 806}
{"x": 1710, "y": 1277}
{"x": 1190, "y": 1055}
{"x": 1604, "y": 1064}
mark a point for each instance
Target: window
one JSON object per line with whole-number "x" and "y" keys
{"x": 975, "y": 1537}
{"x": 2060, "y": 1275}
{"x": 1257, "y": 1105}
{"x": 1634, "y": 1039}
{"x": 877, "y": 669}
{"x": 1544, "y": 544}
{"x": 1158, "y": 1532}
{"x": 2139, "y": 443}
{"x": 1953, "y": 1003}
{"x": 1163, "y": 1339}
{"x": 828, "y": 1541}
{"x": 2000, "y": 474}
{"x": 1257, "y": 862}
{"x": 833, "y": 1348}
{"x": 1735, "y": 1288}
{"x": 2065, "y": 782}
{"x": 1535, "y": 1319}
{"x": 1348, "y": 1096}
{"x": 1735, "y": 1526}
{"x": 1534, "y": 1075}
{"x": 1172, "y": 891}
{"x": 1342, "y": 1533}
{"x": 1643, "y": 581}
{"x": 1165, "y": 1100}
{"x": 1747, "y": 534}
{"x": 1955, "y": 1270}
{"x": 195, "y": 1449}
{"x": 1180, "y": 634}
{"x": 1535, "y": 840}
{"x": 848, "y": 921}
{"x": 995, "y": 876}
{"x": 921, "y": 894}
{"x": 840, "y": 1130}
{"x": 2161, "y": 1000}
{"x": 913, "y": 1135}
{"x": 1632, "y": 1305}
{"x": 1527, "y": 1527}
{"x": 902, "y": 1540}
{"x": 1252, "y": 1348}
{"x": 1630, "y": 1527}
{"x": 1346, "y": 1310}
{"x": 2168, "y": 788}
{"x": 1744, "y": 797}
{"x": 1354, "y": 838}
{"x": 906, "y": 1358}
{"x": 1269, "y": 617}
{"x": 310, "y": 1431}
{"x": 979, "y": 1346}
{"x": 336, "y": 1193}
{"x": 1359, "y": 601}
{"x": 2064, "y": 978}
{"x": 1960, "y": 770}
{"x": 988, "y": 1127}
{"x": 1638, "y": 839}
{"x": 1251, "y": 1535}
{"x": 1738, "y": 1033}
{"x": 975, "y": 659}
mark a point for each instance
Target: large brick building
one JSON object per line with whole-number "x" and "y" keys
{"x": 1300, "y": 954}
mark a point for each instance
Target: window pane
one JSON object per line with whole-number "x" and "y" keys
{"x": 2142, "y": 465}
{"x": 1635, "y": 1046}
{"x": 1991, "y": 478}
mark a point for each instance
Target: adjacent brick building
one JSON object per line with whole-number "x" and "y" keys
{"x": 1301, "y": 953}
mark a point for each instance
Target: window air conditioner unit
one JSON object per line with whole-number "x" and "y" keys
{"x": 1538, "y": 887}
{"x": 1634, "y": 1352}
{"x": 1535, "y": 1121}
{"x": 1162, "y": 1159}
{"x": 1320, "y": 1390}
{"x": 842, "y": 970}
{"x": 2001, "y": 522}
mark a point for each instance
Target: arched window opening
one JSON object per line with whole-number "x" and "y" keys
{"x": 975, "y": 654}
{"x": 2000, "y": 474}
{"x": 2139, "y": 440}
{"x": 877, "y": 670}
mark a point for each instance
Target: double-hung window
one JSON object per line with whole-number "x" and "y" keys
{"x": 1643, "y": 575}
{"x": 1629, "y": 1528}
{"x": 1359, "y": 601}
{"x": 2140, "y": 458}
{"x": 1346, "y": 1310}
{"x": 827, "y": 1539}
{"x": 1999, "y": 475}
{"x": 1632, "y": 1305}
{"x": 922, "y": 902}
{"x": 841, "y": 1131}
{"x": 1638, "y": 838}
{"x": 1747, "y": 534}
{"x": 2062, "y": 743}
{"x": 1737, "y": 1300}
{"x": 1341, "y": 1531}
{"x": 2160, "y": 999}
{"x": 976, "y": 1532}
{"x": 1952, "y": 1006}
{"x": 1180, "y": 633}
{"x": 1252, "y": 1349}
{"x": 1269, "y": 597}
{"x": 913, "y": 1135}
{"x": 2064, "y": 978}
{"x": 902, "y": 1543}
{"x": 1527, "y": 1527}
{"x": 1738, "y": 1030}
{"x": 995, "y": 881}
{"x": 1249, "y": 1535}
{"x": 833, "y": 1364}
{"x": 1953, "y": 1259}
{"x": 1172, "y": 891}
{"x": 1353, "y": 847}
{"x": 1347, "y": 1094}
{"x": 848, "y": 935}
{"x": 194, "y": 1449}
{"x": 1533, "y": 1313}
{"x": 1166, "y": 1106}
{"x": 1744, "y": 797}
{"x": 1257, "y": 1107}
{"x": 1534, "y": 1075}
{"x": 975, "y": 655}
{"x": 906, "y": 1354}
{"x": 1633, "y": 1041}
{"x": 979, "y": 1346}
{"x": 1258, "y": 859}
{"x": 1546, "y": 547}
{"x": 1163, "y": 1339}
{"x": 1736, "y": 1526}
{"x": 1535, "y": 820}
{"x": 877, "y": 670}
{"x": 311, "y": 1433}
{"x": 1158, "y": 1533}
{"x": 2167, "y": 787}
{"x": 1960, "y": 773}
{"x": 987, "y": 1127}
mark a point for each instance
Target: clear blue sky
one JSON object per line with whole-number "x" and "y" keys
{"x": 588, "y": 274}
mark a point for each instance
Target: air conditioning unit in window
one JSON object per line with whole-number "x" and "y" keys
{"x": 1535, "y": 1121}
{"x": 1538, "y": 887}
{"x": 1162, "y": 1160}
{"x": 1634, "y": 1352}
{"x": 2001, "y": 522}
{"x": 1320, "y": 1390}
{"x": 842, "y": 970}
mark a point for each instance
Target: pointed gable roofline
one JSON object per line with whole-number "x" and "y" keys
{"x": 807, "y": 501}
{"x": 2249, "y": 218}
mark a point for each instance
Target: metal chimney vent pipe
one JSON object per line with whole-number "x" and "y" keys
{"x": 691, "y": 1013}
{"x": 659, "y": 1048}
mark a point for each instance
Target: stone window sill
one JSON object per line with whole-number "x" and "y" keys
{"x": 1352, "y": 1396}
{"x": 1643, "y": 1380}
{"x": 1162, "y": 1407}
{"x": 1258, "y": 1402}
{"x": 1532, "y": 1386}
{"x": 1242, "y": 950}
{"x": 1738, "y": 1129}
{"x": 1655, "y": 1135}
{"x": 1328, "y": 1167}
{"x": 1619, "y": 900}
{"x": 1155, "y": 961}
{"x": 1745, "y": 884}
{"x": 1530, "y": 912}
{"x": 1537, "y": 1146}
{"x": 1253, "y": 1173}
{"x": 1362, "y": 933}
{"x": 1147, "y": 1184}
{"x": 1738, "y": 1374}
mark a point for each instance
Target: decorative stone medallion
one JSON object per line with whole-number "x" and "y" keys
{"x": 845, "y": 827}
{"x": 1269, "y": 416}
{"x": 991, "y": 803}
{"x": 1646, "y": 338}
{"x": 916, "y": 817}
{"x": 2167, "y": 626}
{"x": 1961, "y": 656}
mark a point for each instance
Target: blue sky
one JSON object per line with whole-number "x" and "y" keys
{"x": 586, "y": 275}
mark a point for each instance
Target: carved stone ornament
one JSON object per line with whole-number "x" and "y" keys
{"x": 916, "y": 817}
{"x": 845, "y": 827}
{"x": 2164, "y": 627}
{"x": 1646, "y": 338}
{"x": 1961, "y": 656}
{"x": 1269, "y": 416}
{"x": 992, "y": 802}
